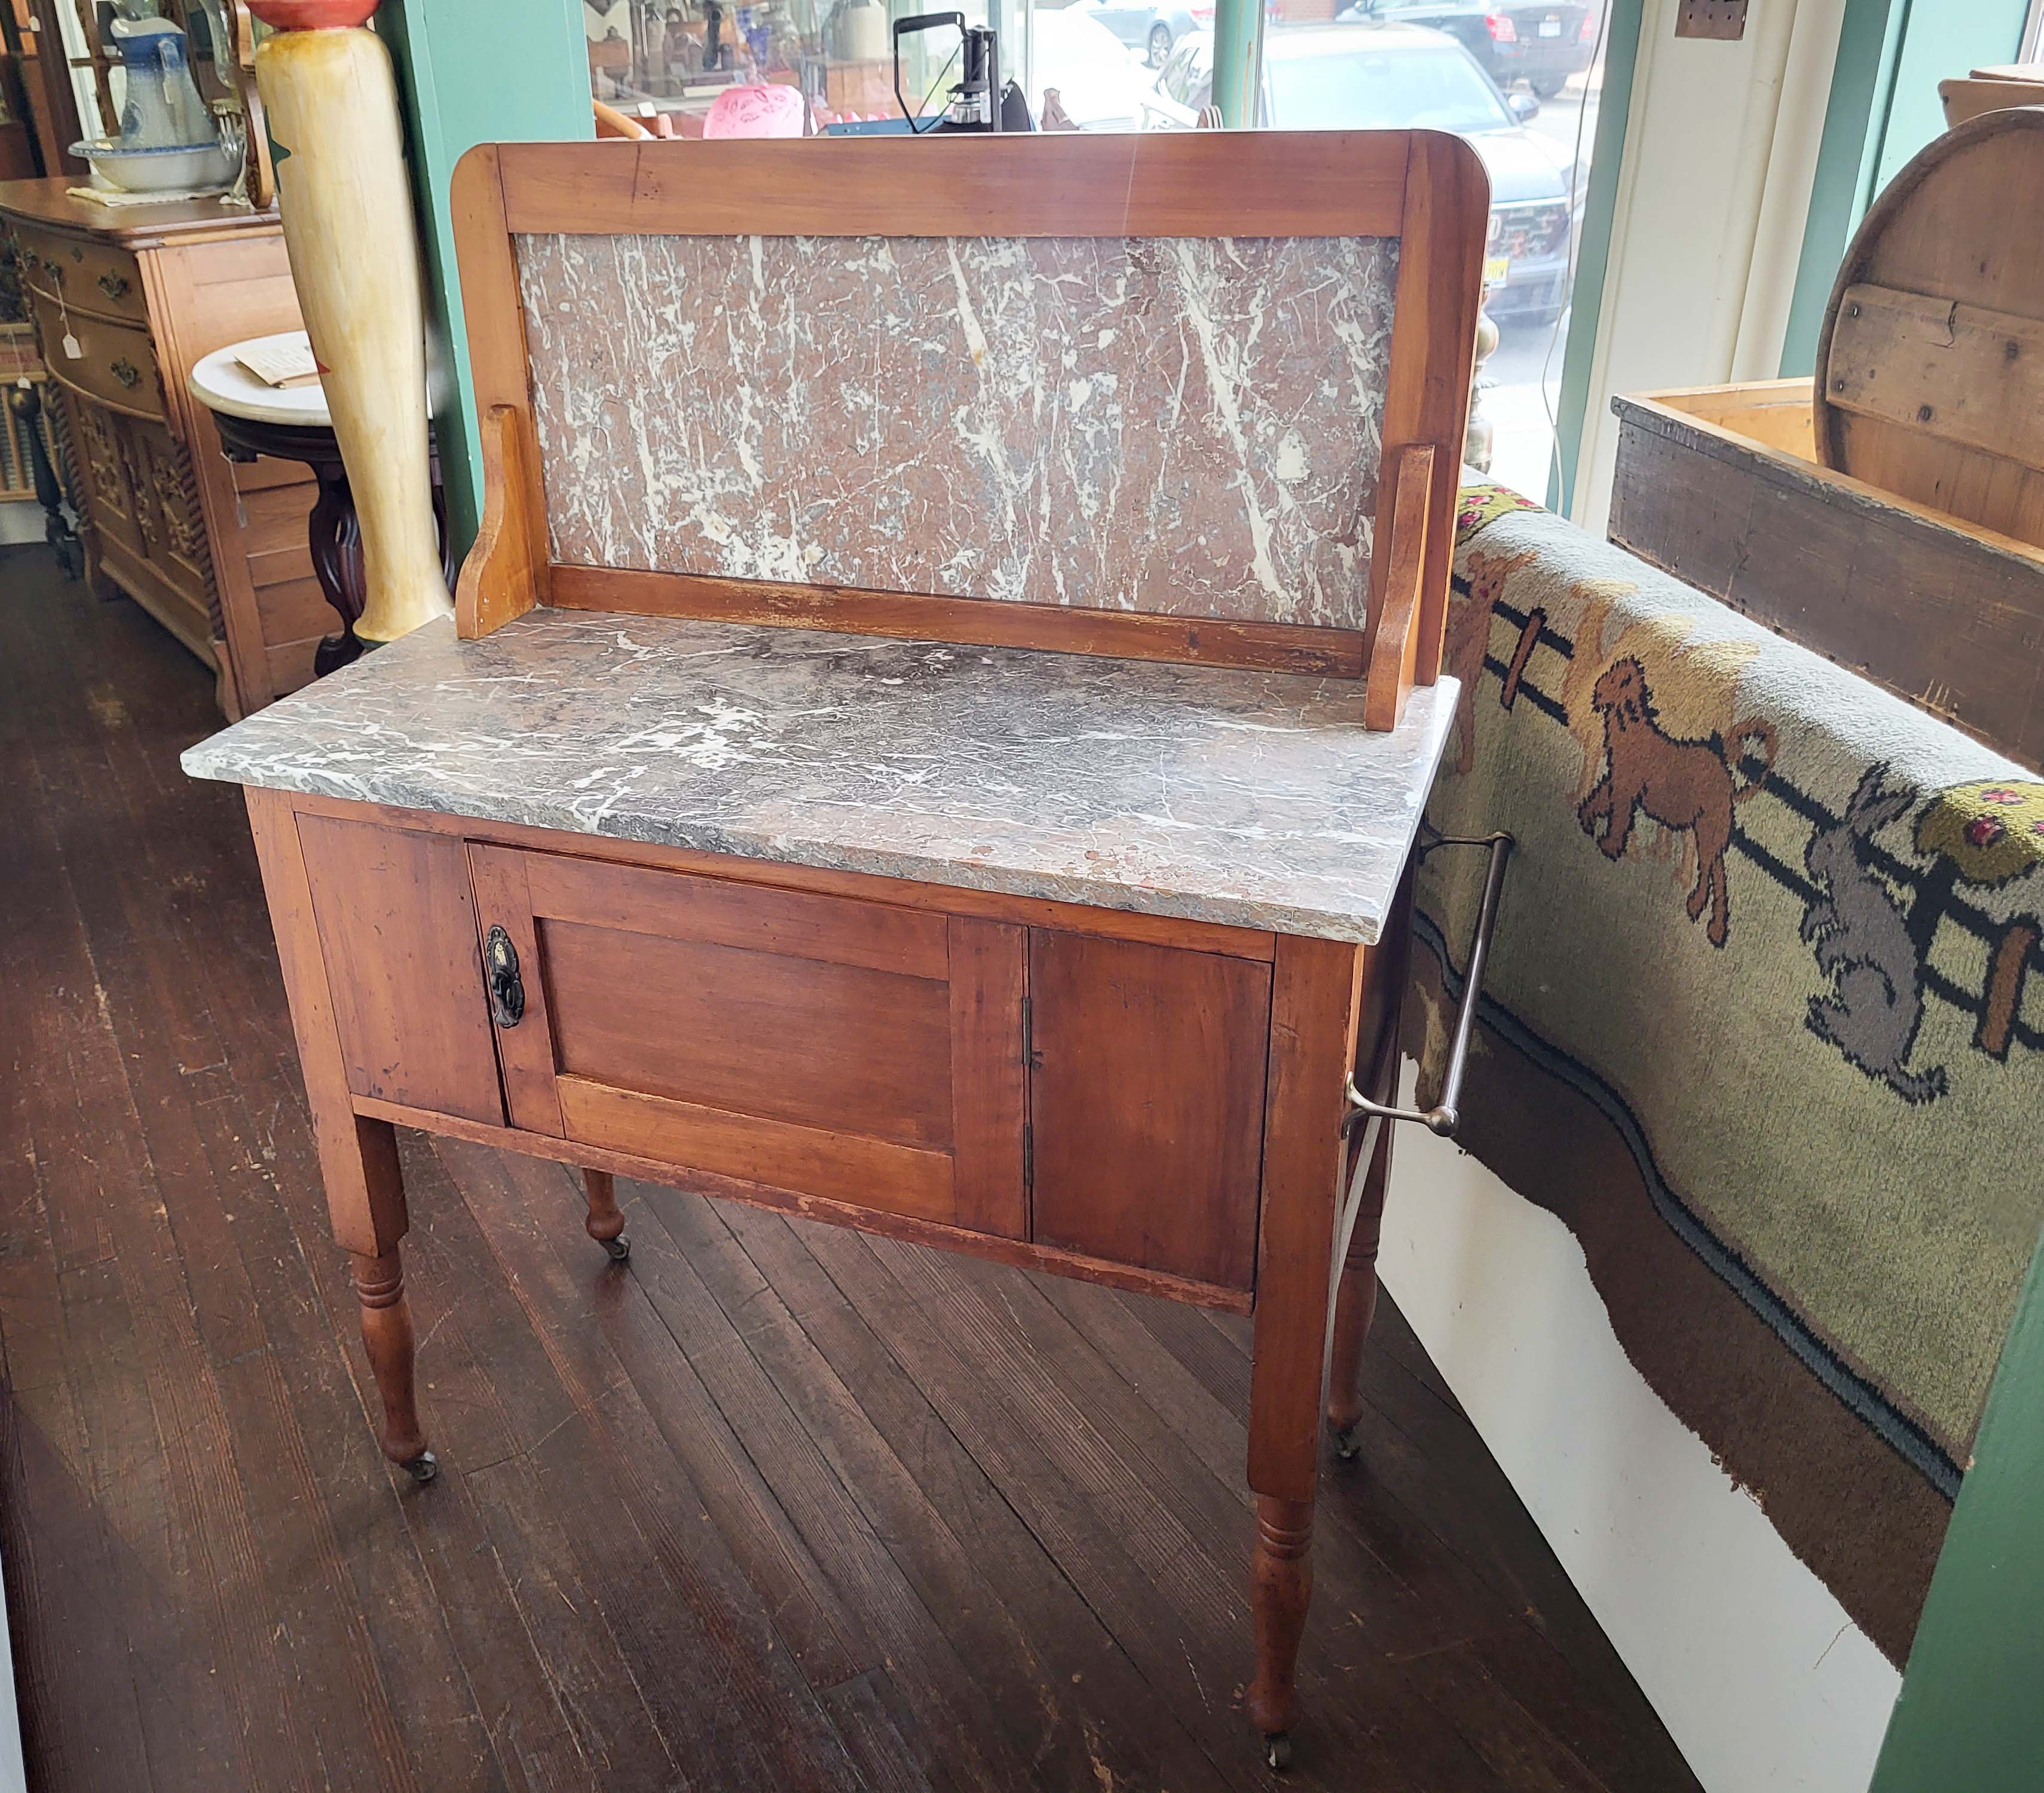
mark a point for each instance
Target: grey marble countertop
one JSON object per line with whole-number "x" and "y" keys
{"x": 1255, "y": 799}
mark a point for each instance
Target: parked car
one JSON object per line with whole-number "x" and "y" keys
{"x": 1085, "y": 64}
{"x": 1149, "y": 28}
{"x": 1390, "y": 77}
{"x": 1542, "y": 43}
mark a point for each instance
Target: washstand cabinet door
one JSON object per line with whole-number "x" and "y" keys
{"x": 1146, "y": 1103}
{"x": 855, "y": 1052}
{"x": 397, "y": 928}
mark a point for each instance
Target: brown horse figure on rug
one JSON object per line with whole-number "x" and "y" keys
{"x": 1685, "y": 785}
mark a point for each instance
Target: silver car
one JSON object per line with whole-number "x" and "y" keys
{"x": 1367, "y": 76}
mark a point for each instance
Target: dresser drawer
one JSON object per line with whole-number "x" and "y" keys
{"x": 99, "y": 279}
{"x": 115, "y": 363}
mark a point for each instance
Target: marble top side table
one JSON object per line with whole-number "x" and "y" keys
{"x": 293, "y": 423}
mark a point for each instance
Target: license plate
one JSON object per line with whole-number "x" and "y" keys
{"x": 1495, "y": 268}
{"x": 1550, "y": 27}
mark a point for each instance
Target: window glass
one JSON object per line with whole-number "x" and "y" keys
{"x": 1341, "y": 89}
{"x": 1520, "y": 79}
{"x": 1521, "y": 82}
{"x": 665, "y": 63}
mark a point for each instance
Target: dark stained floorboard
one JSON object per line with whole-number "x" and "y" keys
{"x": 775, "y": 1507}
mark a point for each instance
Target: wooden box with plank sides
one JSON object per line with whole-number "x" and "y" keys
{"x": 1890, "y": 513}
{"x": 883, "y": 768}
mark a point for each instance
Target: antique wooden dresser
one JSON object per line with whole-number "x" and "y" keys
{"x": 936, "y": 729}
{"x": 216, "y": 553}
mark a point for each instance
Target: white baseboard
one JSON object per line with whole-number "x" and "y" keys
{"x": 1763, "y": 1682}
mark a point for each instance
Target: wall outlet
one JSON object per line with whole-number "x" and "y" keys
{"x": 1722, "y": 19}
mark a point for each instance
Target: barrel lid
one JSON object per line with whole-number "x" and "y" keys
{"x": 1930, "y": 367}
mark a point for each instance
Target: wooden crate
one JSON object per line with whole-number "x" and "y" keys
{"x": 1720, "y": 486}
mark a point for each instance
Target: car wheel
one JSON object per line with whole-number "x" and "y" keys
{"x": 1548, "y": 86}
{"x": 1160, "y": 44}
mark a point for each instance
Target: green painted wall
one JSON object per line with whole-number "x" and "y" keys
{"x": 1883, "y": 107}
{"x": 472, "y": 72}
{"x": 1593, "y": 249}
{"x": 1971, "y": 1716}
{"x": 1237, "y": 59}
{"x": 1941, "y": 38}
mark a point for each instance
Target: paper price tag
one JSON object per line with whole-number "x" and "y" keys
{"x": 73, "y": 348}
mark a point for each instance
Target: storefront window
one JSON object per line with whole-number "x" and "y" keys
{"x": 669, "y": 62}
{"x": 1520, "y": 80}
{"x": 1521, "y": 83}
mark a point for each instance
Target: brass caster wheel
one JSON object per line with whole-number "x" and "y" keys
{"x": 1277, "y": 1751}
{"x": 423, "y": 1468}
{"x": 1345, "y": 1446}
{"x": 619, "y": 1248}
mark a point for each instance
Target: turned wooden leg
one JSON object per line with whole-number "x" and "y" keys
{"x": 365, "y": 1185}
{"x": 1282, "y": 1587}
{"x": 1319, "y": 991}
{"x": 26, "y": 402}
{"x": 1356, "y": 1301}
{"x": 387, "y": 1330}
{"x": 605, "y": 1223}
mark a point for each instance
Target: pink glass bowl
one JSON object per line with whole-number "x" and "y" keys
{"x": 313, "y": 15}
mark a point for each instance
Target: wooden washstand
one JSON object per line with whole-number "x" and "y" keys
{"x": 1030, "y": 876}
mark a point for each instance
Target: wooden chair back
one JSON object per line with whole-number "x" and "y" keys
{"x": 1195, "y": 397}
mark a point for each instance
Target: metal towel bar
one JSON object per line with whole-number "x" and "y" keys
{"x": 1444, "y": 1117}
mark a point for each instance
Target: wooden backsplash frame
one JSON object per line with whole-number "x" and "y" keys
{"x": 1425, "y": 189}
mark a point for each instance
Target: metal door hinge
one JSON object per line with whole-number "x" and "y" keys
{"x": 1028, "y": 1155}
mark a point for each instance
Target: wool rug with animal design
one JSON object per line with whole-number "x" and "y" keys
{"x": 1764, "y": 1023}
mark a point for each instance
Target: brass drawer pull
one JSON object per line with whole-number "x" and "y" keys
{"x": 54, "y": 269}
{"x": 126, "y": 372}
{"x": 507, "y": 988}
{"x": 113, "y": 286}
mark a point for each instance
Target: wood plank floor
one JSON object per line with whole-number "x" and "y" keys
{"x": 774, "y": 1507}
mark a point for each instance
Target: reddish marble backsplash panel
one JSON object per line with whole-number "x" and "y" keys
{"x": 1184, "y": 425}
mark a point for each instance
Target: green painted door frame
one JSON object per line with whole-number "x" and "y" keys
{"x": 472, "y": 72}
{"x": 1237, "y": 59}
{"x": 1621, "y": 53}
{"x": 1970, "y": 1718}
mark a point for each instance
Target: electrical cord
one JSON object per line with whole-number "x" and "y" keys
{"x": 911, "y": 117}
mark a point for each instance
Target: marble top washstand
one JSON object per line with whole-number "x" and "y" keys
{"x": 1249, "y": 798}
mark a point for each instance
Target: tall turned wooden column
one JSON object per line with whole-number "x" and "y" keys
{"x": 331, "y": 102}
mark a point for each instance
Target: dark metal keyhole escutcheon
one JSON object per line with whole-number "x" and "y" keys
{"x": 507, "y": 988}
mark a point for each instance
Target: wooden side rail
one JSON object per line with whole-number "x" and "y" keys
{"x": 1394, "y": 639}
{"x": 499, "y": 579}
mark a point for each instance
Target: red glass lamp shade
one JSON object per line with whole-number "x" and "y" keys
{"x": 313, "y": 15}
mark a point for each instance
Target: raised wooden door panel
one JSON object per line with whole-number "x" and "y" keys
{"x": 851, "y": 1051}
{"x": 1148, "y": 1069}
{"x": 397, "y": 927}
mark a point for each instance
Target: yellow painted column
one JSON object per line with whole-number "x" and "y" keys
{"x": 328, "y": 87}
